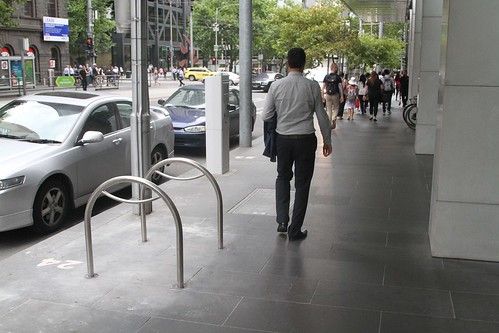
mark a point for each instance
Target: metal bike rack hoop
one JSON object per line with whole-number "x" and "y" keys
{"x": 155, "y": 169}
{"x": 161, "y": 194}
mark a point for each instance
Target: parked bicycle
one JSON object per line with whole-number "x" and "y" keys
{"x": 410, "y": 112}
{"x": 98, "y": 80}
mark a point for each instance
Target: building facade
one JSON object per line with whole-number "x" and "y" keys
{"x": 47, "y": 53}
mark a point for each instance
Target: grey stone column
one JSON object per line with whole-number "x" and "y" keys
{"x": 431, "y": 40}
{"x": 464, "y": 217}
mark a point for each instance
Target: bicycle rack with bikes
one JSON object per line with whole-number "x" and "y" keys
{"x": 145, "y": 183}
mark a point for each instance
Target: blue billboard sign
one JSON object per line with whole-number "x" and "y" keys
{"x": 55, "y": 29}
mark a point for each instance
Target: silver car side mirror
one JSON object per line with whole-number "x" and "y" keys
{"x": 91, "y": 137}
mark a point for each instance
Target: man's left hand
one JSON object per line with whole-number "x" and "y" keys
{"x": 327, "y": 149}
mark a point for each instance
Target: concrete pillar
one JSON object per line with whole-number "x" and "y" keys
{"x": 431, "y": 40}
{"x": 415, "y": 47}
{"x": 464, "y": 215}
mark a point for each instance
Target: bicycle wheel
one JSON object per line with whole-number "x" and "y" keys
{"x": 405, "y": 110}
{"x": 411, "y": 116}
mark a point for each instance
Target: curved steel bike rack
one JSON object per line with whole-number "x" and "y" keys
{"x": 155, "y": 169}
{"x": 161, "y": 194}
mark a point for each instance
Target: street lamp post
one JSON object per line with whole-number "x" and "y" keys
{"x": 216, "y": 28}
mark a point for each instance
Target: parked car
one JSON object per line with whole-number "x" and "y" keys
{"x": 58, "y": 147}
{"x": 186, "y": 106}
{"x": 197, "y": 73}
{"x": 264, "y": 80}
{"x": 233, "y": 77}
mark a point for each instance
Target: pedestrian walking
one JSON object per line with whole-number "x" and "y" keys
{"x": 404, "y": 87}
{"x": 373, "y": 91}
{"x": 332, "y": 94}
{"x": 180, "y": 76}
{"x": 83, "y": 77}
{"x": 362, "y": 93}
{"x": 351, "y": 93}
{"x": 294, "y": 100}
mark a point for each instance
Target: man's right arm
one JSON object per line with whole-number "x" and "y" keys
{"x": 269, "y": 107}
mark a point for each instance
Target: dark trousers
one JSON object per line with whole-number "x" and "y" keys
{"x": 388, "y": 99}
{"x": 373, "y": 106}
{"x": 342, "y": 107}
{"x": 300, "y": 152}
{"x": 362, "y": 104}
{"x": 405, "y": 96}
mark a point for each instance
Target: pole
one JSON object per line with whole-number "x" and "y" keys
{"x": 140, "y": 118}
{"x": 90, "y": 32}
{"x": 192, "y": 40}
{"x": 245, "y": 58}
{"x": 171, "y": 36}
{"x": 24, "y": 45}
{"x": 216, "y": 39}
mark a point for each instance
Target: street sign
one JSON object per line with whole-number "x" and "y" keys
{"x": 215, "y": 48}
{"x": 65, "y": 81}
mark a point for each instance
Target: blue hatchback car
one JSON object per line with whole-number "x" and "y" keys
{"x": 186, "y": 107}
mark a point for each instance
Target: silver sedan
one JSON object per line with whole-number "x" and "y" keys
{"x": 56, "y": 148}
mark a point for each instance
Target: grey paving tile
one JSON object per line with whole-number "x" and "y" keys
{"x": 372, "y": 198}
{"x": 235, "y": 256}
{"x": 160, "y": 325}
{"x": 367, "y": 212}
{"x": 481, "y": 267}
{"x": 145, "y": 300}
{"x": 360, "y": 237}
{"x": 396, "y": 323}
{"x": 277, "y": 316}
{"x": 402, "y": 275}
{"x": 9, "y": 301}
{"x": 310, "y": 268}
{"x": 408, "y": 215}
{"x": 381, "y": 298}
{"x": 40, "y": 316}
{"x": 335, "y": 200}
{"x": 476, "y": 306}
{"x": 408, "y": 225}
{"x": 254, "y": 285}
{"x": 408, "y": 240}
{"x": 417, "y": 257}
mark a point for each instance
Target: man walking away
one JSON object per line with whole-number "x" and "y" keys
{"x": 332, "y": 94}
{"x": 404, "y": 87}
{"x": 294, "y": 100}
{"x": 388, "y": 87}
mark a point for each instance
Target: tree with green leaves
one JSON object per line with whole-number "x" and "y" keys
{"x": 6, "y": 10}
{"x": 226, "y": 13}
{"x": 103, "y": 28}
{"x": 321, "y": 30}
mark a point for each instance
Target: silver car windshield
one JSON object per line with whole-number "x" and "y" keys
{"x": 193, "y": 98}
{"x": 32, "y": 120}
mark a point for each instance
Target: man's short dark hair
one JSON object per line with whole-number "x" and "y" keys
{"x": 296, "y": 57}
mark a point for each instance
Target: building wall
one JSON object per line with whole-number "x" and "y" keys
{"x": 32, "y": 28}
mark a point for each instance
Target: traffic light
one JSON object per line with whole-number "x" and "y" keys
{"x": 90, "y": 44}
{"x": 213, "y": 60}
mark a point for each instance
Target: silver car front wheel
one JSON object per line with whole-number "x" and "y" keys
{"x": 50, "y": 207}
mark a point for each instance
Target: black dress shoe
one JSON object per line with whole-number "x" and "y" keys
{"x": 301, "y": 235}
{"x": 282, "y": 227}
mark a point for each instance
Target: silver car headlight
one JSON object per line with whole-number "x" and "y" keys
{"x": 11, "y": 182}
{"x": 195, "y": 129}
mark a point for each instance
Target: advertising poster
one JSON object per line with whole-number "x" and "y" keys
{"x": 55, "y": 29}
{"x": 16, "y": 72}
